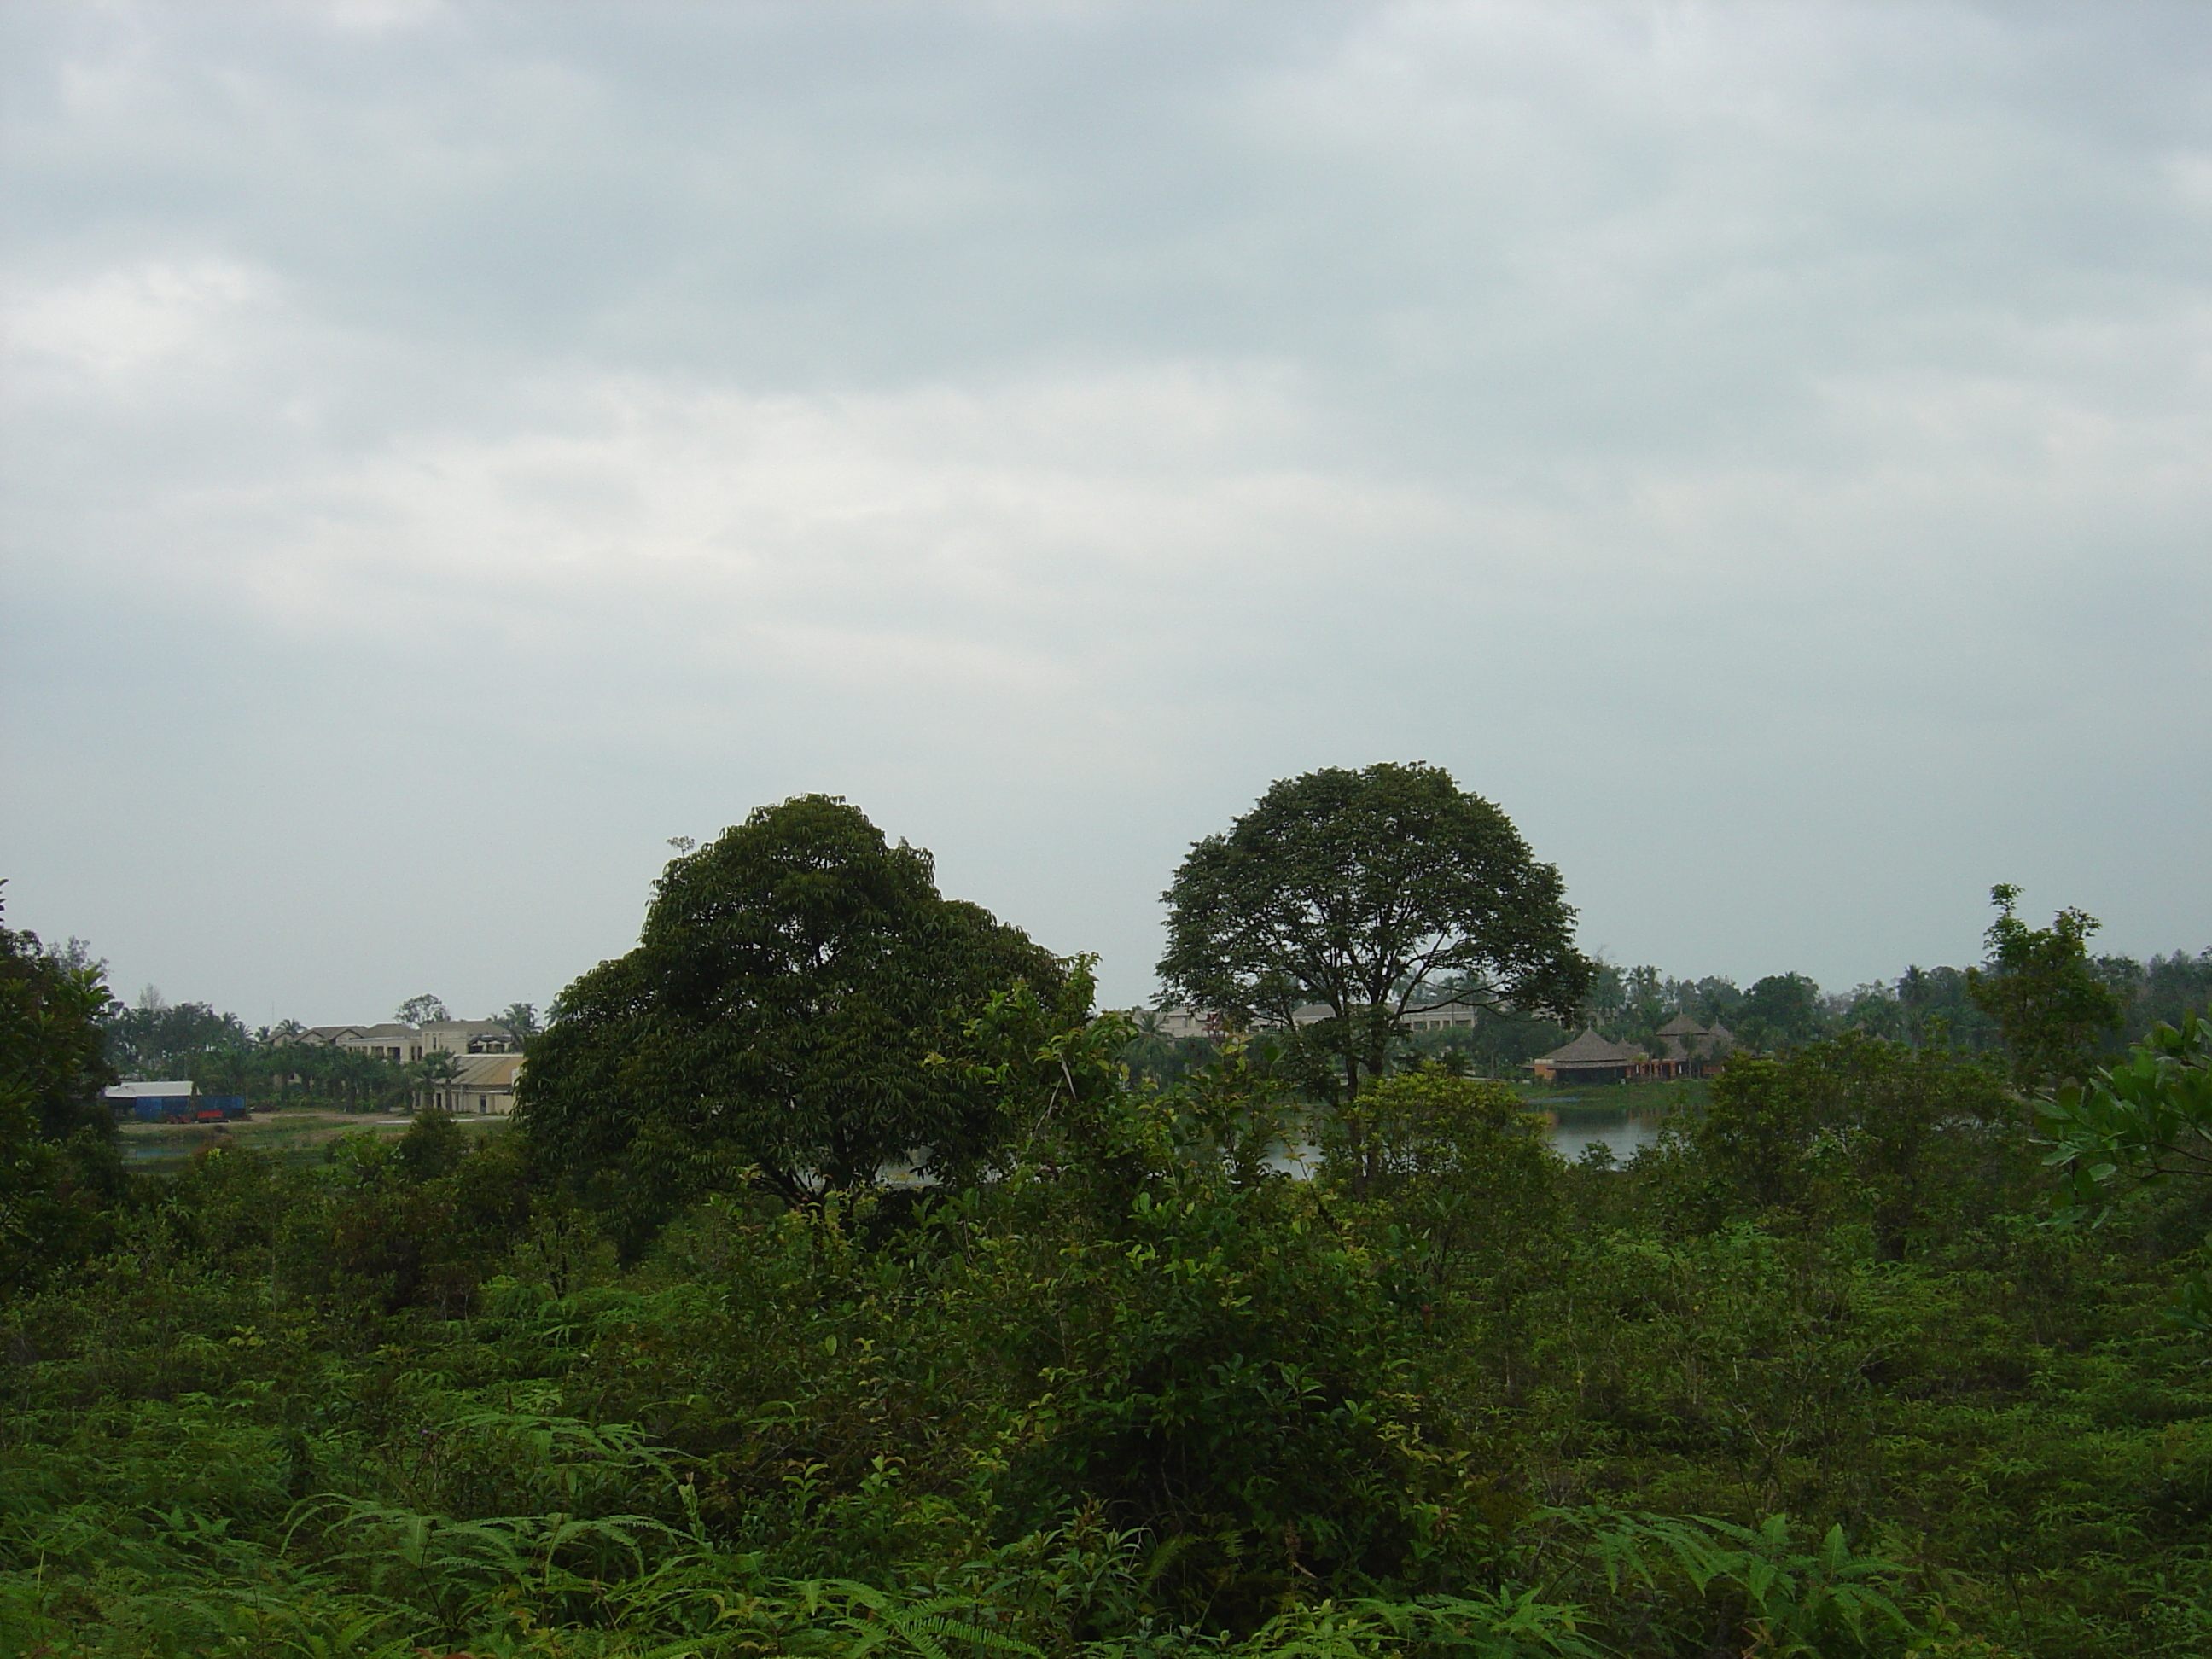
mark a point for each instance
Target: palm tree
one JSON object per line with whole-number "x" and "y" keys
{"x": 435, "y": 1072}
{"x": 1152, "y": 1052}
{"x": 520, "y": 1020}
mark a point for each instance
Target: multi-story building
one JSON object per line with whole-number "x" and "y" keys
{"x": 392, "y": 1041}
{"x": 487, "y": 1058}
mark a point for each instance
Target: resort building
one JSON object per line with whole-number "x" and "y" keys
{"x": 483, "y": 1085}
{"x": 1686, "y": 1049}
{"x": 1590, "y": 1058}
{"x": 486, "y": 1058}
{"x": 1691, "y": 1049}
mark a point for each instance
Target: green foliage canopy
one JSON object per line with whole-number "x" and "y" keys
{"x": 422, "y": 1010}
{"x": 1804, "y": 1377}
{"x": 790, "y": 982}
{"x": 1457, "y": 1162}
{"x": 1142, "y": 1396}
{"x": 158, "y": 1039}
{"x": 2138, "y": 1123}
{"x": 2043, "y": 991}
{"x": 520, "y": 1021}
{"x": 1780, "y": 1010}
{"x": 1859, "y": 1127}
{"x": 59, "y": 1164}
{"x": 1359, "y": 890}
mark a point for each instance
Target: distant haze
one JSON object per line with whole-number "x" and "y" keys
{"x": 451, "y": 449}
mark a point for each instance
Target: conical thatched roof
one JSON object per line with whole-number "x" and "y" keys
{"x": 1682, "y": 1026}
{"x": 1591, "y": 1050}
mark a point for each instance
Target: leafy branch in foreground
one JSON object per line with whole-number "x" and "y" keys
{"x": 2135, "y": 1124}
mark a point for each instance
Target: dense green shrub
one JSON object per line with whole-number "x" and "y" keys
{"x": 1811, "y": 1376}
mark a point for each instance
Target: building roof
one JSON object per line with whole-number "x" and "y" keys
{"x": 1591, "y": 1050}
{"x": 486, "y": 1071}
{"x": 1682, "y": 1025}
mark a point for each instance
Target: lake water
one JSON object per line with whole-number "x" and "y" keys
{"x": 1622, "y": 1136}
{"x": 290, "y": 1137}
{"x": 168, "y": 1150}
{"x": 1571, "y": 1132}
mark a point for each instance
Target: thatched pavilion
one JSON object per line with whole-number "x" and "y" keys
{"x": 1591, "y": 1059}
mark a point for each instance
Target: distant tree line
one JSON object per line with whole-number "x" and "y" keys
{"x": 271, "y": 1064}
{"x": 1922, "y": 1008}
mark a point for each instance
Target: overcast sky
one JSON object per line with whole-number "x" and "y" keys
{"x": 451, "y": 449}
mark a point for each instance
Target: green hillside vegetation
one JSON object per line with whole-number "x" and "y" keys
{"x": 1889, "y": 1345}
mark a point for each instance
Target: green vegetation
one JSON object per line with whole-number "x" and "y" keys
{"x": 302, "y": 1135}
{"x": 1364, "y": 893}
{"x": 279, "y": 1066}
{"x": 2138, "y": 1125}
{"x": 2051, "y": 1009}
{"x": 2039, "y": 998}
{"x": 1840, "y": 1366}
{"x": 275, "y": 1067}
{"x": 59, "y": 1168}
{"x": 774, "y": 1024}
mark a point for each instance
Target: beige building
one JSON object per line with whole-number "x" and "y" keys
{"x": 392, "y": 1041}
{"x": 483, "y": 1086}
{"x": 1440, "y": 1019}
{"x": 486, "y": 1058}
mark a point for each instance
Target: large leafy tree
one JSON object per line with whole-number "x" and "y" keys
{"x": 779, "y": 1015}
{"x": 2045, "y": 993}
{"x": 160, "y": 1039}
{"x": 59, "y": 1163}
{"x": 1781, "y": 1010}
{"x": 422, "y": 1010}
{"x": 1365, "y": 892}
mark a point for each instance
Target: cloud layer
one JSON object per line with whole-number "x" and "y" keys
{"x": 451, "y": 449}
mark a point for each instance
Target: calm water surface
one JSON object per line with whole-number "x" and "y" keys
{"x": 1620, "y": 1135}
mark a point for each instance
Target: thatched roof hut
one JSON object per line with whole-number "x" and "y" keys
{"x": 1589, "y": 1059}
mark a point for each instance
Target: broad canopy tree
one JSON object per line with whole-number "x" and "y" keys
{"x": 1368, "y": 892}
{"x": 2043, "y": 991}
{"x": 60, "y": 1166}
{"x": 158, "y": 1039}
{"x": 778, "y": 1015}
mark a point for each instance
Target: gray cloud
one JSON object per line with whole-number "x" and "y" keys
{"x": 450, "y": 449}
